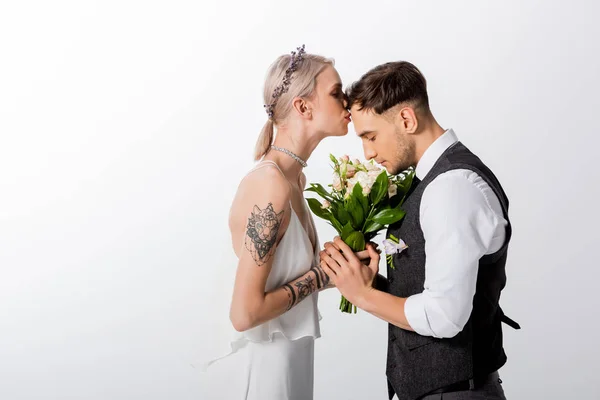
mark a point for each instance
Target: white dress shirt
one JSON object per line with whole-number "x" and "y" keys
{"x": 462, "y": 220}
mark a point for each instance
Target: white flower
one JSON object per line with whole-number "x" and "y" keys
{"x": 371, "y": 167}
{"x": 374, "y": 173}
{"x": 392, "y": 248}
{"x": 366, "y": 191}
{"x": 350, "y": 183}
{"x": 392, "y": 190}
{"x": 325, "y": 204}
{"x": 344, "y": 159}
{"x": 337, "y": 182}
{"x": 372, "y": 177}
{"x": 364, "y": 179}
{"x": 356, "y": 161}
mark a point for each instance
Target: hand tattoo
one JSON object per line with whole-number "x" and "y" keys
{"x": 261, "y": 234}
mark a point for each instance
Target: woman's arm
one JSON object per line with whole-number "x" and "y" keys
{"x": 264, "y": 204}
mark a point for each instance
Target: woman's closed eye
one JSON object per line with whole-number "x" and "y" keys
{"x": 338, "y": 94}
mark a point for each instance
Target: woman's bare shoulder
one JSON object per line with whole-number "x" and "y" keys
{"x": 259, "y": 189}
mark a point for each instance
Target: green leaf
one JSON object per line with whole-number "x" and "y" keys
{"x": 389, "y": 216}
{"x": 356, "y": 212}
{"x": 343, "y": 170}
{"x": 396, "y": 201}
{"x": 356, "y": 241}
{"x": 373, "y": 227}
{"x": 405, "y": 184}
{"x": 340, "y": 213}
{"x": 317, "y": 209}
{"x": 336, "y": 225}
{"x": 357, "y": 193}
{"x": 334, "y": 160}
{"x": 320, "y": 190}
{"x": 346, "y": 231}
{"x": 379, "y": 189}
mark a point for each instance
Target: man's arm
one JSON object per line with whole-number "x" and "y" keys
{"x": 385, "y": 306}
{"x": 355, "y": 281}
{"x": 458, "y": 225}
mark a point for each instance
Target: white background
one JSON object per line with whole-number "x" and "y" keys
{"x": 125, "y": 127}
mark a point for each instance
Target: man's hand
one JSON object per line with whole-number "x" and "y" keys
{"x": 364, "y": 256}
{"x": 346, "y": 270}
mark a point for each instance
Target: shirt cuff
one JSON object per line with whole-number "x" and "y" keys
{"x": 414, "y": 310}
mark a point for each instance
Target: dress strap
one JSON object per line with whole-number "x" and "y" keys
{"x": 265, "y": 163}
{"x": 262, "y": 164}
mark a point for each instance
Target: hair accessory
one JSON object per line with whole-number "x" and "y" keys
{"x": 287, "y": 80}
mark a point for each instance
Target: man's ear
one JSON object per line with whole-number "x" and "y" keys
{"x": 407, "y": 118}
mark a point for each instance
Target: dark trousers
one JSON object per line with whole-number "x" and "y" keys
{"x": 490, "y": 390}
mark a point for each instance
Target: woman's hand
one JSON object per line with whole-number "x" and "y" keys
{"x": 363, "y": 256}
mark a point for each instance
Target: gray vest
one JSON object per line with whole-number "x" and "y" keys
{"x": 417, "y": 364}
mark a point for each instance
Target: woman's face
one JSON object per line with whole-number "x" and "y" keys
{"x": 330, "y": 117}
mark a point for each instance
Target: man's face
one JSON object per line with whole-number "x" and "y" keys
{"x": 384, "y": 140}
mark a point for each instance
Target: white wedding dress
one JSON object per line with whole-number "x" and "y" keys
{"x": 275, "y": 360}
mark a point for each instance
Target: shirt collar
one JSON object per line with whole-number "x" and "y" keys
{"x": 433, "y": 153}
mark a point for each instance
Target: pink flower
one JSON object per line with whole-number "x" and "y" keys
{"x": 325, "y": 204}
{"x": 350, "y": 171}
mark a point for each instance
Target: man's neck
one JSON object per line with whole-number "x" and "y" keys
{"x": 426, "y": 138}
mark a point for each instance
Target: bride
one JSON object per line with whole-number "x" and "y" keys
{"x": 278, "y": 277}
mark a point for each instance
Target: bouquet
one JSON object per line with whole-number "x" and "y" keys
{"x": 363, "y": 200}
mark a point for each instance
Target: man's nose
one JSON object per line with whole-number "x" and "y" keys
{"x": 369, "y": 152}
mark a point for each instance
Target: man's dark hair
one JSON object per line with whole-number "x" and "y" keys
{"x": 388, "y": 85}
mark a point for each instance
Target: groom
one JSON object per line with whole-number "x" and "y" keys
{"x": 441, "y": 300}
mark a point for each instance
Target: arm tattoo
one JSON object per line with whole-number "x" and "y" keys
{"x": 261, "y": 235}
{"x": 305, "y": 287}
{"x": 291, "y": 296}
{"x": 322, "y": 278}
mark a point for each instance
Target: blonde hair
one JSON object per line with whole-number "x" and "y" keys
{"x": 303, "y": 82}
